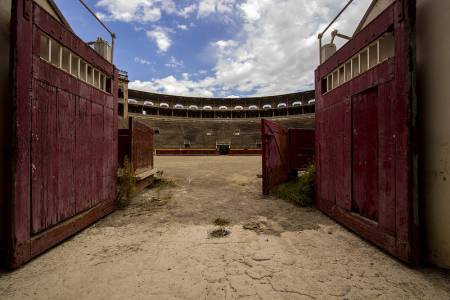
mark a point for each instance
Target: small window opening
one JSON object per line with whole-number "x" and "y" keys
{"x": 55, "y": 50}
{"x": 65, "y": 60}
{"x": 45, "y": 48}
{"x": 108, "y": 85}
{"x": 355, "y": 66}
{"x": 96, "y": 78}
{"x": 90, "y": 75}
{"x": 373, "y": 55}
{"x": 75, "y": 67}
{"x": 83, "y": 70}
{"x": 364, "y": 61}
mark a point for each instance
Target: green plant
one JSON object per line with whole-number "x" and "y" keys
{"x": 127, "y": 183}
{"x": 300, "y": 190}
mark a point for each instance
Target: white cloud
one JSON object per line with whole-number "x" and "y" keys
{"x": 130, "y": 10}
{"x": 174, "y": 63}
{"x": 232, "y": 97}
{"x": 173, "y": 86}
{"x": 142, "y": 61}
{"x": 275, "y": 52}
{"x": 188, "y": 10}
{"x": 225, "y": 44}
{"x": 160, "y": 36}
{"x": 208, "y": 7}
{"x": 182, "y": 27}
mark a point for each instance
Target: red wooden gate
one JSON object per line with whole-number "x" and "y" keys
{"x": 275, "y": 154}
{"x": 365, "y": 123}
{"x": 136, "y": 143}
{"x": 65, "y": 134}
{"x": 284, "y": 151}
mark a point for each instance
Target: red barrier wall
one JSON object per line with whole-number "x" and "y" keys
{"x": 65, "y": 142}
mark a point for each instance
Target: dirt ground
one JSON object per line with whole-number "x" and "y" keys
{"x": 160, "y": 248}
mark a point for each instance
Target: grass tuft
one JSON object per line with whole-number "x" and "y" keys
{"x": 301, "y": 190}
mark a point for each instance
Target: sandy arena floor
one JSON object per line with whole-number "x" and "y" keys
{"x": 159, "y": 248}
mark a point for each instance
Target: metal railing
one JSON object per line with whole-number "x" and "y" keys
{"x": 113, "y": 35}
{"x": 320, "y": 36}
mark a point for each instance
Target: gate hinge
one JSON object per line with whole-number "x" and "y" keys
{"x": 27, "y": 9}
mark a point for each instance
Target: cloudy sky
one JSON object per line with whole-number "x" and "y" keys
{"x": 215, "y": 48}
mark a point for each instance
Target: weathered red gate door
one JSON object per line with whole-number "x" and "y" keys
{"x": 364, "y": 128}
{"x": 275, "y": 154}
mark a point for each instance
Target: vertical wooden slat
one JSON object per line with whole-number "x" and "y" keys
{"x": 65, "y": 155}
{"x": 83, "y": 153}
{"x": 97, "y": 158}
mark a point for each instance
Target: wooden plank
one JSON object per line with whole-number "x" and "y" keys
{"x": 386, "y": 163}
{"x": 65, "y": 155}
{"x": 64, "y": 230}
{"x": 365, "y": 154}
{"x": 275, "y": 157}
{"x": 83, "y": 155}
{"x": 97, "y": 154}
{"x": 108, "y": 147}
{"x": 142, "y": 146}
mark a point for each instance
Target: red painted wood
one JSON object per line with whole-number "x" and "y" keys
{"x": 97, "y": 153}
{"x": 301, "y": 148}
{"x": 275, "y": 154}
{"x": 64, "y": 36}
{"x": 142, "y": 146}
{"x": 364, "y": 141}
{"x": 19, "y": 230}
{"x": 65, "y": 141}
{"x": 83, "y": 184}
{"x": 365, "y": 154}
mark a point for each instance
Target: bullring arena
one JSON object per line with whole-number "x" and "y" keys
{"x": 116, "y": 193}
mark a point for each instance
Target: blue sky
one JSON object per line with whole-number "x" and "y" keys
{"x": 214, "y": 48}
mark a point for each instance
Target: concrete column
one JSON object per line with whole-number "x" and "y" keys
{"x": 433, "y": 64}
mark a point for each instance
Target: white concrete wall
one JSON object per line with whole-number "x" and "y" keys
{"x": 433, "y": 59}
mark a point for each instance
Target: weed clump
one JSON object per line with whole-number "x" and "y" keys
{"x": 219, "y": 233}
{"x": 127, "y": 183}
{"x": 221, "y": 222}
{"x": 301, "y": 190}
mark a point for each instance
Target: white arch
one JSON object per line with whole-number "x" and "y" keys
{"x": 223, "y": 107}
{"x": 148, "y": 103}
{"x": 193, "y": 107}
{"x": 207, "y": 107}
{"x": 267, "y": 106}
{"x": 297, "y": 103}
{"x": 253, "y": 107}
{"x": 164, "y": 105}
{"x": 312, "y": 101}
{"x": 238, "y": 107}
{"x": 132, "y": 101}
{"x": 178, "y": 106}
{"x": 281, "y": 105}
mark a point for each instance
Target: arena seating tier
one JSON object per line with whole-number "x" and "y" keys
{"x": 207, "y": 133}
